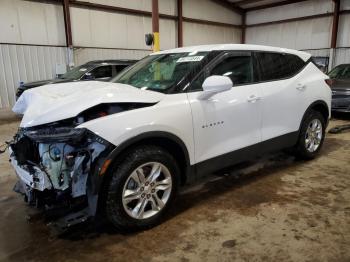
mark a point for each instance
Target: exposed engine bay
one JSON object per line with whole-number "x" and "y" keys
{"x": 55, "y": 167}
{"x": 60, "y": 163}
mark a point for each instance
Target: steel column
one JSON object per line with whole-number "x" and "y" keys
{"x": 179, "y": 24}
{"x": 243, "y": 28}
{"x": 155, "y": 25}
{"x": 335, "y": 23}
{"x": 67, "y": 23}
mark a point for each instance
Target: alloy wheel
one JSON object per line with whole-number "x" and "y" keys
{"x": 313, "y": 136}
{"x": 147, "y": 190}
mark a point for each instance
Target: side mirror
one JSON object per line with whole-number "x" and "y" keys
{"x": 215, "y": 84}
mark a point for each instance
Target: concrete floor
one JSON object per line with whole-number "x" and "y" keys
{"x": 275, "y": 209}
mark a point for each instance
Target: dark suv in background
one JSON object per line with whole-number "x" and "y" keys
{"x": 340, "y": 83}
{"x": 100, "y": 70}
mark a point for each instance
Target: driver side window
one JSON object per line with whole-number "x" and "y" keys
{"x": 237, "y": 67}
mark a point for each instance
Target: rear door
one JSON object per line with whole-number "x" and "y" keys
{"x": 282, "y": 91}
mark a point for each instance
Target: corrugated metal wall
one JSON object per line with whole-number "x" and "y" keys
{"x": 98, "y": 34}
{"x": 307, "y": 34}
{"x": 91, "y": 28}
{"x": 83, "y": 55}
{"x": 26, "y": 63}
{"x": 312, "y": 35}
{"x": 24, "y": 22}
{"x": 199, "y": 34}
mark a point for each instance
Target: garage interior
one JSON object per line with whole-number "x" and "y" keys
{"x": 276, "y": 208}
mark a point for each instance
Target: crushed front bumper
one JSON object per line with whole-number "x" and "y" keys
{"x": 37, "y": 180}
{"x": 64, "y": 184}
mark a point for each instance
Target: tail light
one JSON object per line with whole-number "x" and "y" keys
{"x": 329, "y": 82}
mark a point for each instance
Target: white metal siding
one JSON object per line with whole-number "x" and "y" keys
{"x": 208, "y": 10}
{"x": 342, "y": 56}
{"x": 165, "y": 6}
{"x": 24, "y": 22}
{"x": 306, "y": 8}
{"x": 26, "y": 63}
{"x": 83, "y": 55}
{"x": 91, "y": 28}
{"x": 344, "y": 30}
{"x": 307, "y": 34}
{"x": 198, "y": 34}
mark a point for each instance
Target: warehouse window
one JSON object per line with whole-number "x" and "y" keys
{"x": 275, "y": 66}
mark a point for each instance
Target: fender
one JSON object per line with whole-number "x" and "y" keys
{"x": 153, "y": 135}
{"x": 317, "y": 103}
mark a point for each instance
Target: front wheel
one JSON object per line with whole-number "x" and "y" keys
{"x": 142, "y": 188}
{"x": 311, "y": 135}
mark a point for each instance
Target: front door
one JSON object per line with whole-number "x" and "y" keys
{"x": 230, "y": 120}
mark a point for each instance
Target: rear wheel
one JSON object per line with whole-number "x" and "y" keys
{"x": 311, "y": 135}
{"x": 142, "y": 188}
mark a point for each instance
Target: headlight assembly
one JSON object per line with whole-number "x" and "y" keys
{"x": 58, "y": 134}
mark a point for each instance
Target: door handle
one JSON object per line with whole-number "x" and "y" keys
{"x": 301, "y": 87}
{"x": 253, "y": 98}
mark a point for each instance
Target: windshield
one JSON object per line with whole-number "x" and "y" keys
{"x": 75, "y": 74}
{"x": 340, "y": 72}
{"x": 160, "y": 72}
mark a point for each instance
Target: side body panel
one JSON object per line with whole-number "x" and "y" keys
{"x": 284, "y": 102}
{"x": 172, "y": 114}
{"x": 226, "y": 122}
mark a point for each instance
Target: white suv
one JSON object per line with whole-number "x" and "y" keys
{"x": 124, "y": 148}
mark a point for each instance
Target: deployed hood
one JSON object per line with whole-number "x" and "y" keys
{"x": 52, "y": 103}
{"x": 29, "y": 85}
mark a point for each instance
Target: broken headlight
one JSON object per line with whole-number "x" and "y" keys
{"x": 56, "y": 134}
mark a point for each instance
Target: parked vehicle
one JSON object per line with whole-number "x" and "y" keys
{"x": 101, "y": 70}
{"x": 125, "y": 148}
{"x": 340, "y": 83}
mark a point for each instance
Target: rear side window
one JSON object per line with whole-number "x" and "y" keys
{"x": 102, "y": 72}
{"x": 275, "y": 66}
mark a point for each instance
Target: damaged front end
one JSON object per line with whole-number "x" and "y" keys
{"x": 58, "y": 168}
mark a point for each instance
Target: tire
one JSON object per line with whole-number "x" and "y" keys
{"x": 131, "y": 191}
{"x": 303, "y": 148}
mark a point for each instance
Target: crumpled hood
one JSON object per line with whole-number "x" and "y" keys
{"x": 56, "y": 102}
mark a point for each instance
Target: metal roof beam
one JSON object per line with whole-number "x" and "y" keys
{"x": 286, "y": 2}
{"x": 232, "y": 6}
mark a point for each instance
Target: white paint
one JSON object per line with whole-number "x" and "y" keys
{"x": 239, "y": 121}
{"x": 201, "y": 48}
{"x": 45, "y": 103}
